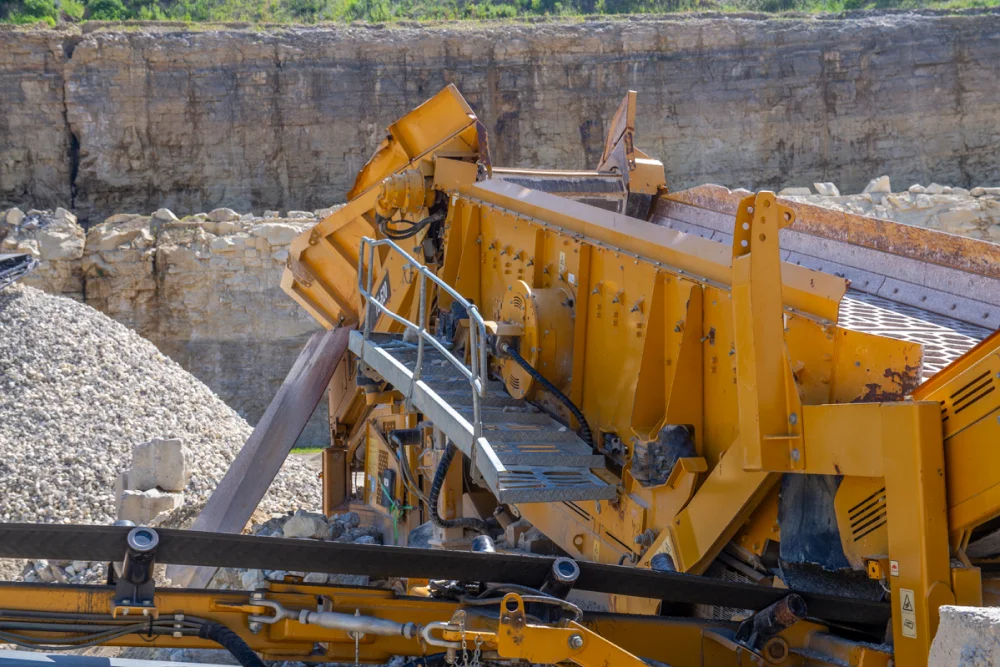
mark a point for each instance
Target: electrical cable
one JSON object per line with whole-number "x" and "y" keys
{"x": 107, "y": 629}
{"x": 477, "y": 525}
{"x": 585, "y": 432}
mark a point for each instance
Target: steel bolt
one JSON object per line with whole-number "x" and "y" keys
{"x": 255, "y": 627}
{"x": 575, "y": 641}
{"x": 793, "y": 419}
{"x": 795, "y": 455}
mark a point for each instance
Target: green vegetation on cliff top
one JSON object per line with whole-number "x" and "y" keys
{"x": 313, "y": 11}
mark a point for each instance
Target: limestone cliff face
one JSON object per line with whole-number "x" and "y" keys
{"x": 137, "y": 119}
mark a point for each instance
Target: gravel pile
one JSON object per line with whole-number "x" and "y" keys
{"x": 78, "y": 391}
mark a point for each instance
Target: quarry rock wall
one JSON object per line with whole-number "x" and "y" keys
{"x": 107, "y": 120}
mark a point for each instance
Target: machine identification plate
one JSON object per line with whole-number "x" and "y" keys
{"x": 907, "y": 613}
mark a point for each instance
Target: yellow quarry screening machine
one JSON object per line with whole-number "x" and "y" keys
{"x": 677, "y": 381}
{"x": 752, "y": 431}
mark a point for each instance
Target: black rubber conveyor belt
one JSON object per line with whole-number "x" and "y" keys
{"x": 182, "y": 547}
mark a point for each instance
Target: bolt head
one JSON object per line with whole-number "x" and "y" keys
{"x": 255, "y": 627}
{"x": 575, "y": 641}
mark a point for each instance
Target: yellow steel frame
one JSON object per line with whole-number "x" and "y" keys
{"x": 598, "y": 640}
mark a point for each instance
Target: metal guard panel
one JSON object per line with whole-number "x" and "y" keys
{"x": 810, "y": 292}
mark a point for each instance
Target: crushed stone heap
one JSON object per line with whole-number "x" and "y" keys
{"x": 78, "y": 391}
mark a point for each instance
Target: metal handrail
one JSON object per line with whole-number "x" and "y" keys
{"x": 476, "y": 371}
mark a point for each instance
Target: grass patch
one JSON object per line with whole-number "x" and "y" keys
{"x": 381, "y": 11}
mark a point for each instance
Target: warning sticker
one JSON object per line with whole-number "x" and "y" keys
{"x": 907, "y": 613}
{"x": 894, "y": 568}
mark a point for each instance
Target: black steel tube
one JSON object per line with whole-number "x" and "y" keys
{"x": 561, "y": 577}
{"x": 140, "y": 555}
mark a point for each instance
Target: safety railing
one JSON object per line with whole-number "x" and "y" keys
{"x": 476, "y": 371}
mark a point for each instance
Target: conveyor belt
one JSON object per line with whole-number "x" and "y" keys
{"x": 181, "y": 547}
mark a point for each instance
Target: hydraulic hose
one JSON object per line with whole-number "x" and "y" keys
{"x": 405, "y": 468}
{"x": 410, "y": 228}
{"x": 477, "y": 525}
{"x": 232, "y": 642}
{"x": 585, "y": 432}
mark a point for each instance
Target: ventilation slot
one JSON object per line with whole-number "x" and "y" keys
{"x": 868, "y": 516}
{"x": 972, "y": 392}
{"x": 383, "y": 465}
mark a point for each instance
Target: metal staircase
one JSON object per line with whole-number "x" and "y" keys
{"x": 523, "y": 454}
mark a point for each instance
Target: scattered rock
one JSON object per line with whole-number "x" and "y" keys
{"x": 827, "y": 189}
{"x": 141, "y": 507}
{"x": 159, "y": 463}
{"x": 301, "y": 215}
{"x": 934, "y": 189}
{"x": 880, "y": 184}
{"x": 164, "y": 215}
{"x": 306, "y": 525}
{"x": 14, "y": 217}
{"x": 224, "y": 215}
{"x": 277, "y": 233}
{"x": 795, "y": 192}
{"x": 916, "y": 189}
{"x": 966, "y": 637}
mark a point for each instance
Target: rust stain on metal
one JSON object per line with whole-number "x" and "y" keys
{"x": 918, "y": 243}
{"x": 905, "y": 382}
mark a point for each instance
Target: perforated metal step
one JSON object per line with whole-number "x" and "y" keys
{"x": 524, "y": 455}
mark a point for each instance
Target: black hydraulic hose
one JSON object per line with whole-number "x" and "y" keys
{"x": 405, "y": 468}
{"x": 585, "y": 432}
{"x": 411, "y": 228}
{"x": 477, "y": 525}
{"x": 232, "y": 642}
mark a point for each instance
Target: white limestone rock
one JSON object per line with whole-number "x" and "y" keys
{"x": 306, "y": 525}
{"x": 878, "y": 185}
{"x": 224, "y": 215}
{"x": 164, "y": 215}
{"x": 966, "y": 637}
{"x": 141, "y": 507}
{"x": 160, "y": 463}
{"x": 826, "y": 189}
{"x": 14, "y": 217}
{"x": 795, "y": 192}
